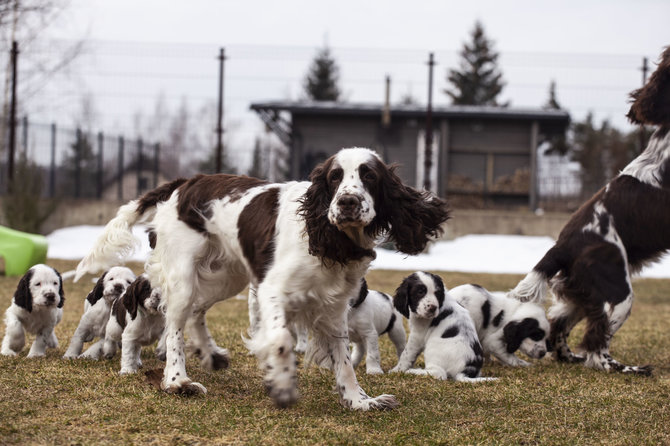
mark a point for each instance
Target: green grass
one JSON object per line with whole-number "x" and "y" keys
{"x": 51, "y": 401}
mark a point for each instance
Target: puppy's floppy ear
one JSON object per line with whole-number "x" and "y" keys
{"x": 23, "y": 297}
{"x": 401, "y": 298}
{"x": 513, "y": 336}
{"x": 136, "y": 293}
{"x": 61, "y": 293}
{"x": 651, "y": 103}
{"x": 440, "y": 289}
{"x": 96, "y": 294}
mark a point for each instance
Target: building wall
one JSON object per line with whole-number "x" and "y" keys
{"x": 488, "y": 160}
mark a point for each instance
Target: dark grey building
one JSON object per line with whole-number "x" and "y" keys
{"x": 483, "y": 156}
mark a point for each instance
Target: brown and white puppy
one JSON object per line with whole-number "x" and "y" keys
{"x": 305, "y": 246}
{"x": 97, "y": 307}
{"x": 37, "y": 307}
{"x": 135, "y": 321}
{"x": 620, "y": 229}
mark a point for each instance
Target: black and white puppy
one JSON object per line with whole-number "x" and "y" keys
{"x": 372, "y": 315}
{"x": 135, "y": 320}
{"x": 97, "y": 308}
{"x": 37, "y": 307}
{"x": 505, "y": 325}
{"x": 441, "y": 328}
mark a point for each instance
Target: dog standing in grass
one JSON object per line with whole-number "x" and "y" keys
{"x": 135, "y": 320}
{"x": 37, "y": 307}
{"x": 97, "y": 307}
{"x": 618, "y": 231}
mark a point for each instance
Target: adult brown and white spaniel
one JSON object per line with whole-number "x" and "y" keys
{"x": 620, "y": 229}
{"x": 304, "y": 246}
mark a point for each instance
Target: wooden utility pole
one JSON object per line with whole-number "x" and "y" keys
{"x": 428, "y": 156}
{"x": 12, "y": 118}
{"x": 642, "y": 135}
{"x": 219, "y": 125}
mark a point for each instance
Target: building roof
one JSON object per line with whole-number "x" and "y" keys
{"x": 412, "y": 111}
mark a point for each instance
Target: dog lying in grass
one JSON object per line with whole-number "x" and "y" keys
{"x": 440, "y": 328}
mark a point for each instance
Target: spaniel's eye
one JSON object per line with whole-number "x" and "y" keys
{"x": 55, "y": 283}
{"x": 336, "y": 175}
{"x": 421, "y": 290}
{"x": 38, "y": 284}
{"x": 367, "y": 174}
{"x": 128, "y": 282}
{"x": 110, "y": 279}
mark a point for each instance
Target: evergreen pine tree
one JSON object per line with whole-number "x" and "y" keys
{"x": 321, "y": 82}
{"x": 552, "y": 102}
{"x": 478, "y": 81}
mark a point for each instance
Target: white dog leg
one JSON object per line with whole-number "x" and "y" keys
{"x": 39, "y": 347}
{"x": 94, "y": 351}
{"x": 15, "y": 337}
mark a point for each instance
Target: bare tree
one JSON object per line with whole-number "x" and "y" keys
{"x": 25, "y": 22}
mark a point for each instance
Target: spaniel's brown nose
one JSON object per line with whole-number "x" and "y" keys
{"x": 348, "y": 202}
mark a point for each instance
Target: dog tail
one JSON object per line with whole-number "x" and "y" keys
{"x": 117, "y": 241}
{"x": 535, "y": 286}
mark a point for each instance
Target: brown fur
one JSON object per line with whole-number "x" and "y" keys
{"x": 119, "y": 312}
{"x": 135, "y": 295}
{"x": 196, "y": 194}
{"x": 256, "y": 229}
{"x": 651, "y": 103}
{"x": 96, "y": 294}
{"x": 158, "y": 195}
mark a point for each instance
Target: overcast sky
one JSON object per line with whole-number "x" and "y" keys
{"x": 637, "y": 27}
{"x": 592, "y": 49}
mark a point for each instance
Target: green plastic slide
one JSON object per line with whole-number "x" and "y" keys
{"x": 21, "y": 250}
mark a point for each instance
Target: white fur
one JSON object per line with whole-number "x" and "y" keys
{"x": 367, "y": 322}
{"x": 93, "y": 322}
{"x": 502, "y": 311}
{"x": 532, "y": 288}
{"x": 44, "y": 294}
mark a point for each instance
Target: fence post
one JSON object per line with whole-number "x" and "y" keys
{"x": 100, "y": 160}
{"x": 139, "y": 166}
{"x": 77, "y": 164}
{"x": 52, "y": 167}
{"x": 156, "y": 163}
{"x": 12, "y": 117}
{"x": 24, "y": 124}
{"x": 120, "y": 174}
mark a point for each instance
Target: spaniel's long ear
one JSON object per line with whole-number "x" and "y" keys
{"x": 98, "y": 290}
{"x": 61, "y": 293}
{"x": 314, "y": 208}
{"x": 513, "y": 336}
{"x": 139, "y": 290}
{"x": 130, "y": 297}
{"x": 651, "y": 103}
{"x": 412, "y": 217}
{"x": 401, "y": 298}
{"x": 23, "y": 297}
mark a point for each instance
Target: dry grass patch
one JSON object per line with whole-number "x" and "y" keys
{"x": 51, "y": 401}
